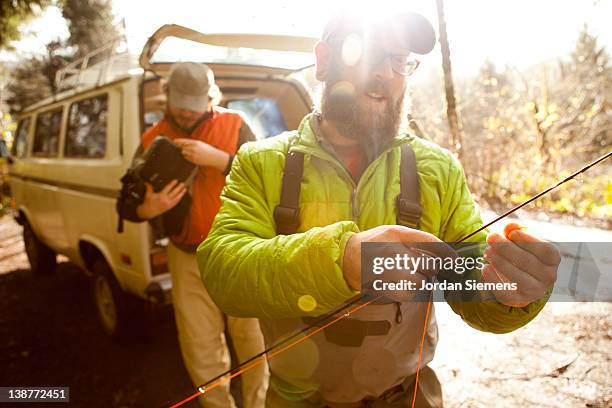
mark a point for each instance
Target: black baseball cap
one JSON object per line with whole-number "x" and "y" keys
{"x": 409, "y": 30}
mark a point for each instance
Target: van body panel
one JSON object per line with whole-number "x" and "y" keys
{"x": 132, "y": 278}
{"x": 71, "y": 200}
{"x": 45, "y": 216}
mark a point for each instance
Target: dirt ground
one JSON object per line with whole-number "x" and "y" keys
{"x": 49, "y": 336}
{"x": 561, "y": 359}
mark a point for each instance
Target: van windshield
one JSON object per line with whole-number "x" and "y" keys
{"x": 177, "y": 49}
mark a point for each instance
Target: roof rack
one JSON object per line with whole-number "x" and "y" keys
{"x": 97, "y": 67}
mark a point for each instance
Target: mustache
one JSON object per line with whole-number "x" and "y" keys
{"x": 377, "y": 87}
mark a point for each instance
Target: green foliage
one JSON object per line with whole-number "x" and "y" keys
{"x": 90, "y": 23}
{"x": 13, "y": 13}
{"x": 28, "y": 83}
{"x": 525, "y": 130}
{"x": 587, "y": 196}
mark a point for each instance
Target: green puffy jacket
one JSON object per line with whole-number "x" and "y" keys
{"x": 250, "y": 271}
{"x": 243, "y": 258}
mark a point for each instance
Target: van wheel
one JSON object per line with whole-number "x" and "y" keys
{"x": 120, "y": 314}
{"x": 42, "y": 258}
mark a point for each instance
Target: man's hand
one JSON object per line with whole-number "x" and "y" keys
{"x": 155, "y": 204}
{"x": 524, "y": 259}
{"x": 351, "y": 263}
{"x": 202, "y": 154}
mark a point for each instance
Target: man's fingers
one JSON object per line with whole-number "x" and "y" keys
{"x": 545, "y": 251}
{"x": 177, "y": 197}
{"x": 422, "y": 241}
{"x": 188, "y": 152}
{"x": 168, "y": 187}
{"x": 515, "y": 254}
{"x": 177, "y": 186}
{"x": 178, "y": 190}
{"x": 507, "y": 297}
{"x": 181, "y": 141}
{"x": 171, "y": 198}
{"x": 526, "y": 284}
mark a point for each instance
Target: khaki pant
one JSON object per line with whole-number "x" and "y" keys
{"x": 429, "y": 395}
{"x": 201, "y": 328}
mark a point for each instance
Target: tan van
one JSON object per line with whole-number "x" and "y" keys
{"x": 70, "y": 151}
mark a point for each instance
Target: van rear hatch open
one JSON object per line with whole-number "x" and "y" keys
{"x": 265, "y": 53}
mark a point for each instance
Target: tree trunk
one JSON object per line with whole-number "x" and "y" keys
{"x": 454, "y": 122}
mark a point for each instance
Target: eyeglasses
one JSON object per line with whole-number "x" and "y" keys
{"x": 400, "y": 64}
{"x": 370, "y": 55}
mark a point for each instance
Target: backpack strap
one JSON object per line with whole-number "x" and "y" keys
{"x": 287, "y": 212}
{"x": 408, "y": 205}
{"x": 131, "y": 193}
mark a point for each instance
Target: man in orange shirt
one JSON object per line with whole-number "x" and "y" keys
{"x": 209, "y": 137}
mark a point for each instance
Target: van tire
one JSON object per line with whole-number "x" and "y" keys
{"x": 120, "y": 314}
{"x": 43, "y": 259}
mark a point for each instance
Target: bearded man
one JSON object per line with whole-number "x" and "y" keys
{"x": 288, "y": 249}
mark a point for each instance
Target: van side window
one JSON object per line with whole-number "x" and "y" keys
{"x": 20, "y": 144}
{"x": 86, "y": 135}
{"x": 46, "y": 136}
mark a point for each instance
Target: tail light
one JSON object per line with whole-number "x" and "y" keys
{"x": 159, "y": 261}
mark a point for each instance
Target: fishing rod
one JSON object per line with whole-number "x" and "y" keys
{"x": 501, "y": 217}
{"x": 540, "y": 194}
{"x": 319, "y": 325}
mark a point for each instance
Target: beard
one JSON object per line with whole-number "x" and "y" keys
{"x": 372, "y": 128}
{"x": 186, "y": 123}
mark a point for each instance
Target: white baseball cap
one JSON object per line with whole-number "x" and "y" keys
{"x": 191, "y": 86}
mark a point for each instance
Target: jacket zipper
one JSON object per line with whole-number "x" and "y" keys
{"x": 355, "y": 187}
{"x": 355, "y": 204}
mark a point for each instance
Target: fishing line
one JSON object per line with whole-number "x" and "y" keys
{"x": 240, "y": 368}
